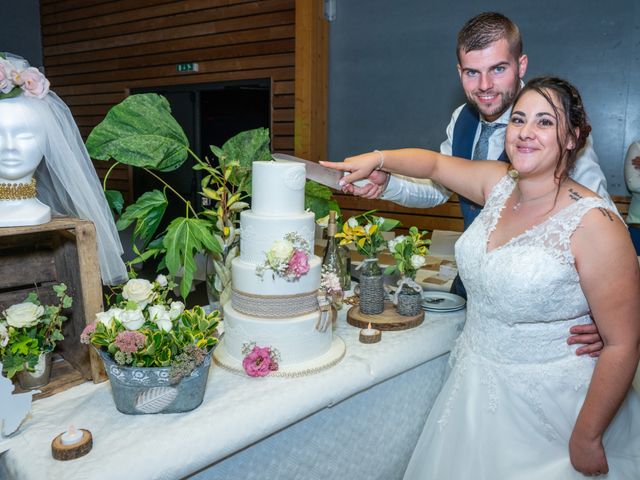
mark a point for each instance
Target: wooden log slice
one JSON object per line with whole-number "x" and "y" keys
{"x": 71, "y": 452}
{"x": 389, "y": 319}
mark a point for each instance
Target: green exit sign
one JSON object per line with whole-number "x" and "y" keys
{"x": 187, "y": 67}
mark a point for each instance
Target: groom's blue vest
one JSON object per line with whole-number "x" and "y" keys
{"x": 464, "y": 132}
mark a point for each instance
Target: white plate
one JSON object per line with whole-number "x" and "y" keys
{"x": 442, "y": 302}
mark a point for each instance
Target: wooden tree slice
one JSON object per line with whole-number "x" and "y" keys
{"x": 71, "y": 452}
{"x": 388, "y": 320}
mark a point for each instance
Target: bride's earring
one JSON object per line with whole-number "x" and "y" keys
{"x": 513, "y": 173}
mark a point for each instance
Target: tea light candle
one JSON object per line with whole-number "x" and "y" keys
{"x": 74, "y": 443}
{"x": 370, "y": 335}
{"x": 71, "y": 436}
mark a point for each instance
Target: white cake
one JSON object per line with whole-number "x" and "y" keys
{"x": 268, "y": 309}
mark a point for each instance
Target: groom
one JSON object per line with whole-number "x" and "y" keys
{"x": 491, "y": 66}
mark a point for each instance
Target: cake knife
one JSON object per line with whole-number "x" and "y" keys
{"x": 318, "y": 173}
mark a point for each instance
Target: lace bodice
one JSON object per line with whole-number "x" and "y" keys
{"x": 526, "y": 293}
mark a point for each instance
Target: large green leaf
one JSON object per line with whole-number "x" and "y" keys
{"x": 319, "y": 199}
{"x": 244, "y": 148}
{"x": 115, "y": 200}
{"x": 147, "y": 212}
{"x": 185, "y": 237}
{"x": 140, "y": 131}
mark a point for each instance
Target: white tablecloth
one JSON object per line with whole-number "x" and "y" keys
{"x": 237, "y": 412}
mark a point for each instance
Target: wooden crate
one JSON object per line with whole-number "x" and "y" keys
{"x": 36, "y": 257}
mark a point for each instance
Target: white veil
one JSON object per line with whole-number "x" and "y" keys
{"x": 67, "y": 181}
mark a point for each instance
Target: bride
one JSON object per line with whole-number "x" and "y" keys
{"x": 543, "y": 255}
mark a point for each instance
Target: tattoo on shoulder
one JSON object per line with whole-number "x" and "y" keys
{"x": 574, "y": 195}
{"x": 606, "y": 213}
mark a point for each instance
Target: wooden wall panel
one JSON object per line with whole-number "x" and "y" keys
{"x": 442, "y": 217}
{"x": 96, "y": 51}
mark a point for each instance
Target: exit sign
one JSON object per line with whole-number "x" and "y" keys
{"x": 187, "y": 67}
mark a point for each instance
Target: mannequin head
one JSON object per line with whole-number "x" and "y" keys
{"x": 21, "y": 140}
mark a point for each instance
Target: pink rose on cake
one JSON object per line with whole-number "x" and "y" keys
{"x": 259, "y": 361}
{"x": 299, "y": 263}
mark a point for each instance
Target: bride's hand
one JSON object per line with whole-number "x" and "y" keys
{"x": 359, "y": 167}
{"x": 587, "y": 456}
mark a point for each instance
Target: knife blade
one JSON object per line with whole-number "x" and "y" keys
{"x": 316, "y": 172}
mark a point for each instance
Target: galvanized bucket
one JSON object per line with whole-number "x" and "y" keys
{"x": 140, "y": 390}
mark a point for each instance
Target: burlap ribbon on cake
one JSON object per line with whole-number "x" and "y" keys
{"x": 274, "y": 306}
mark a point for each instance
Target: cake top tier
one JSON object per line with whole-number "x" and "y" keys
{"x": 278, "y": 188}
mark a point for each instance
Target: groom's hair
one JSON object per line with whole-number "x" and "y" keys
{"x": 482, "y": 30}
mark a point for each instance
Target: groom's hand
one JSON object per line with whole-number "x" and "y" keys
{"x": 373, "y": 189}
{"x": 588, "y": 336}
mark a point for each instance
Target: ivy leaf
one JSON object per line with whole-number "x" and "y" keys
{"x": 147, "y": 212}
{"x": 140, "y": 131}
{"x": 185, "y": 237}
{"x": 115, "y": 200}
{"x": 319, "y": 199}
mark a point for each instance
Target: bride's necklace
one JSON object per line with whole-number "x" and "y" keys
{"x": 522, "y": 200}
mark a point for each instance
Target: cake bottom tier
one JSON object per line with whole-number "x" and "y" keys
{"x": 302, "y": 348}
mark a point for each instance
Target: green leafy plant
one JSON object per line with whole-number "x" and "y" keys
{"x": 29, "y": 329}
{"x": 145, "y": 327}
{"x": 409, "y": 252}
{"x": 141, "y": 132}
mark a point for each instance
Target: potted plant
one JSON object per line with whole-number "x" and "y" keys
{"x": 141, "y": 132}
{"x": 157, "y": 353}
{"x": 29, "y": 331}
{"x": 365, "y": 232}
{"x": 409, "y": 253}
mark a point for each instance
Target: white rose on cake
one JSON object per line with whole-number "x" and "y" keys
{"x": 279, "y": 253}
{"x": 138, "y": 290}
{"x": 24, "y": 314}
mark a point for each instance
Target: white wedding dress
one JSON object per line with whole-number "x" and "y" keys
{"x": 509, "y": 405}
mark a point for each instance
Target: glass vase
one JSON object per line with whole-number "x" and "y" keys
{"x": 371, "y": 287}
{"x": 345, "y": 253}
{"x": 409, "y": 301}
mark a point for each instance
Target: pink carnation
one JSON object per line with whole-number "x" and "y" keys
{"x": 130, "y": 341}
{"x": 85, "y": 336}
{"x": 34, "y": 83}
{"x": 299, "y": 263}
{"x": 258, "y": 362}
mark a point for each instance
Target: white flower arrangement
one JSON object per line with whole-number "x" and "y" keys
{"x": 287, "y": 258}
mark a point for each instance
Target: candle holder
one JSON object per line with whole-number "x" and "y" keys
{"x": 370, "y": 335}
{"x": 75, "y": 450}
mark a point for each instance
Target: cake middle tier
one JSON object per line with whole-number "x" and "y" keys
{"x": 258, "y": 232}
{"x": 244, "y": 279}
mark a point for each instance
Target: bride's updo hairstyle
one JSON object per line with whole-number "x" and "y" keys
{"x": 572, "y": 114}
